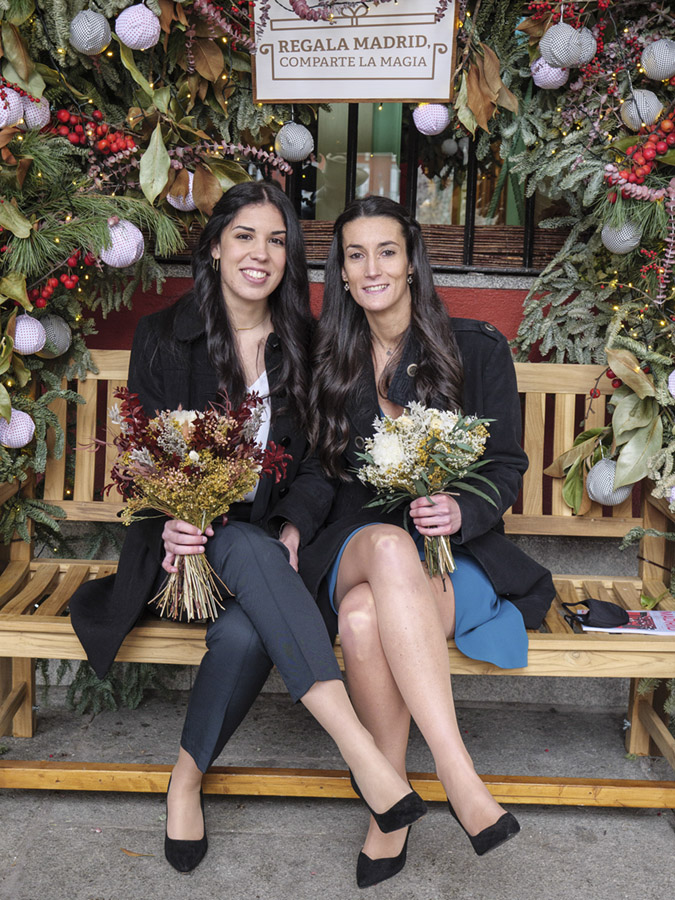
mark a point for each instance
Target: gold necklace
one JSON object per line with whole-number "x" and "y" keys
{"x": 387, "y": 350}
{"x": 251, "y": 327}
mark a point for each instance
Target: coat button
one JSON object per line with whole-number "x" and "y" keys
{"x": 412, "y": 370}
{"x": 283, "y": 491}
{"x": 489, "y": 327}
{"x": 359, "y": 442}
{"x": 285, "y": 441}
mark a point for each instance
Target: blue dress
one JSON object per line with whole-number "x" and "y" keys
{"x": 487, "y": 627}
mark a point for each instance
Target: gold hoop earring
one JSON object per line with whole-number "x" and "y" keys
{"x": 215, "y": 263}
{"x": 346, "y": 285}
{"x": 410, "y": 279}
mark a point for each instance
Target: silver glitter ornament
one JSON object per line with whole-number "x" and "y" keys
{"x": 58, "y": 334}
{"x": 658, "y": 59}
{"x": 293, "y": 142}
{"x": 642, "y": 108}
{"x": 623, "y": 239}
{"x": 90, "y": 33}
{"x": 600, "y": 484}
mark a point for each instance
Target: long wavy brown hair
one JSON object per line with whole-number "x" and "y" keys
{"x": 342, "y": 343}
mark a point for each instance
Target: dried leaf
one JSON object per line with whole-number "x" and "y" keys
{"x": 535, "y": 29}
{"x": 133, "y": 852}
{"x": 507, "y": 100}
{"x": 480, "y": 105}
{"x": 155, "y": 166}
{"x": 181, "y": 184}
{"x": 14, "y": 286}
{"x": 206, "y": 190}
{"x": 16, "y": 222}
{"x": 491, "y": 69}
{"x": 626, "y": 367}
{"x": 167, "y": 15}
{"x": 22, "y": 169}
{"x": 208, "y": 59}
{"x": 464, "y": 114}
{"x": 180, "y": 15}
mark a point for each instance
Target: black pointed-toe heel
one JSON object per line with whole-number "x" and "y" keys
{"x": 494, "y": 835}
{"x": 184, "y": 856}
{"x": 373, "y": 871}
{"x": 407, "y": 810}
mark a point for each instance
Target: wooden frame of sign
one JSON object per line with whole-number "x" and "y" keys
{"x": 337, "y": 49}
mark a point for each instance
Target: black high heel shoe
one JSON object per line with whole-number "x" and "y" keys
{"x": 407, "y": 810}
{"x": 184, "y": 856}
{"x": 373, "y": 871}
{"x": 494, "y": 835}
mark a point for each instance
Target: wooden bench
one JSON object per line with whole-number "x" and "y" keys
{"x": 34, "y": 596}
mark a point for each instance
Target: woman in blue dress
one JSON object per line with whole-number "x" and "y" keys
{"x": 384, "y": 340}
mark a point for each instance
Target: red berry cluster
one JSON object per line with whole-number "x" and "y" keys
{"x": 68, "y": 279}
{"x": 616, "y": 382}
{"x": 17, "y": 90}
{"x": 540, "y": 10}
{"x": 94, "y": 131}
{"x": 643, "y": 157}
{"x": 603, "y": 4}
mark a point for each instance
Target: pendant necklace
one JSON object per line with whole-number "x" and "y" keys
{"x": 388, "y": 350}
{"x": 251, "y": 327}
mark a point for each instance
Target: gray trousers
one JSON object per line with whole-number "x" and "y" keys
{"x": 272, "y": 619}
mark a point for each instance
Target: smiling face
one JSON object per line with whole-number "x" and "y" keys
{"x": 376, "y": 265}
{"x": 252, "y": 254}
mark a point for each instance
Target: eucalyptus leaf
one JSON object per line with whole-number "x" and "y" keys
{"x": 14, "y": 287}
{"x": 5, "y": 404}
{"x": 580, "y": 450}
{"x": 155, "y": 165}
{"x": 161, "y": 98}
{"x": 631, "y": 465}
{"x": 14, "y": 220}
{"x": 34, "y": 84}
{"x": 127, "y": 58}
{"x": 633, "y": 412}
{"x": 573, "y": 487}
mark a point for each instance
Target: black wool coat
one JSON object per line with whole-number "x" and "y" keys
{"x": 170, "y": 367}
{"x": 490, "y": 391}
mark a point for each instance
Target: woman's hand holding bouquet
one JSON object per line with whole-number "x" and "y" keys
{"x": 190, "y": 466}
{"x": 422, "y": 454}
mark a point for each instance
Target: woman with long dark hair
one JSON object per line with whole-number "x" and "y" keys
{"x": 384, "y": 340}
{"x": 244, "y": 326}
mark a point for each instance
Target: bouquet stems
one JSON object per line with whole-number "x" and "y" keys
{"x": 438, "y": 556}
{"x": 191, "y": 592}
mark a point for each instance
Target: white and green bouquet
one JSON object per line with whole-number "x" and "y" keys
{"x": 426, "y": 451}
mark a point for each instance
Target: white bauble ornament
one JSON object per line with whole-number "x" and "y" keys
{"x": 137, "y": 27}
{"x": 642, "y": 108}
{"x": 186, "y": 203}
{"x": 90, "y": 33}
{"x": 671, "y": 383}
{"x": 449, "y": 146}
{"x": 58, "y": 334}
{"x": 560, "y": 46}
{"x": 547, "y": 76}
{"x": 600, "y": 484}
{"x": 11, "y": 108}
{"x": 29, "y": 335}
{"x": 36, "y": 115}
{"x": 18, "y": 431}
{"x": 293, "y": 142}
{"x": 623, "y": 239}
{"x": 431, "y": 118}
{"x": 587, "y": 46}
{"x": 127, "y": 245}
{"x": 658, "y": 59}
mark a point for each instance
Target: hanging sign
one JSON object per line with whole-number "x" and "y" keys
{"x": 393, "y": 52}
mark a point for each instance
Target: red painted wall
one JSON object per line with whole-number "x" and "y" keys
{"x": 501, "y": 307}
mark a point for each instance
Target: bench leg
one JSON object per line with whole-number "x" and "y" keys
{"x": 23, "y": 680}
{"x": 5, "y": 688}
{"x": 638, "y": 740}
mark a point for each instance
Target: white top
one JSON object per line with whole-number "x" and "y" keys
{"x": 262, "y": 387}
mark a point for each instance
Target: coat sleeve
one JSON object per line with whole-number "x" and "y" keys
{"x": 492, "y": 393}
{"x": 307, "y": 502}
{"x": 145, "y": 369}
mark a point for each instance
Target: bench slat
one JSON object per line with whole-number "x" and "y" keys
{"x": 59, "y": 599}
{"x": 12, "y": 579}
{"x": 85, "y": 432}
{"x": 34, "y": 590}
{"x": 563, "y": 436}
{"x": 55, "y": 472}
{"x": 535, "y": 409}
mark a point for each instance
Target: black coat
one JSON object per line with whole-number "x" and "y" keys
{"x": 490, "y": 391}
{"x": 170, "y": 367}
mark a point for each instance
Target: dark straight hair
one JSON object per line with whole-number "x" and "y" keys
{"x": 342, "y": 346}
{"x": 289, "y": 303}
